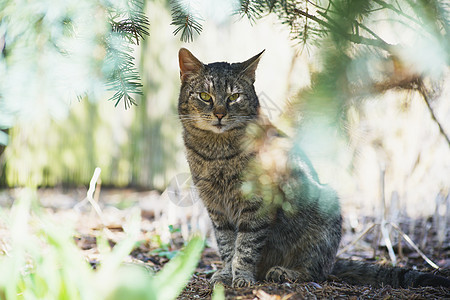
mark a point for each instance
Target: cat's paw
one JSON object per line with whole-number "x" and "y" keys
{"x": 239, "y": 282}
{"x": 281, "y": 274}
{"x": 276, "y": 274}
{"x": 221, "y": 276}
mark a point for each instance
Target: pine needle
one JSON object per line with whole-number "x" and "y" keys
{"x": 186, "y": 18}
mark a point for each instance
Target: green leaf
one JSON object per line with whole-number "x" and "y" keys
{"x": 167, "y": 254}
{"x": 218, "y": 293}
{"x": 134, "y": 283}
{"x": 113, "y": 260}
{"x": 173, "y": 229}
{"x": 176, "y": 273}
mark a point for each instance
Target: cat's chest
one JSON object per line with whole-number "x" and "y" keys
{"x": 218, "y": 180}
{"x": 220, "y": 173}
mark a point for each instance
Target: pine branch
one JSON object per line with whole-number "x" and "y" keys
{"x": 186, "y": 18}
{"x": 129, "y": 24}
{"x": 122, "y": 75}
{"x": 133, "y": 23}
{"x": 133, "y": 29}
{"x": 355, "y": 38}
{"x": 301, "y": 28}
{"x": 337, "y": 17}
{"x": 383, "y": 4}
{"x": 251, "y": 9}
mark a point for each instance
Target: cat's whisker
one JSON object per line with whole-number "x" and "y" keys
{"x": 187, "y": 116}
{"x": 191, "y": 118}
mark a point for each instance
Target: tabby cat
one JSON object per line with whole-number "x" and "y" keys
{"x": 292, "y": 229}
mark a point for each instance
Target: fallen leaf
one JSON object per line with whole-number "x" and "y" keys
{"x": 261, "y": 295}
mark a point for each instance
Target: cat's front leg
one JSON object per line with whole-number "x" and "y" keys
{"x": 251, "y": 239}
{"x": 223, "y": 276}
{"x": 226, "y": 237}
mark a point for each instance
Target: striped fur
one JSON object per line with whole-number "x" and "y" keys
{"x": 272, "y": 218}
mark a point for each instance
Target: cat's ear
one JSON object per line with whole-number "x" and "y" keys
{"x": 189, "y": 64}
{"x": 248, "y": 67}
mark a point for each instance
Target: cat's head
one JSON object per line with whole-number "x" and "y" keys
{"x": 217, "y": 97}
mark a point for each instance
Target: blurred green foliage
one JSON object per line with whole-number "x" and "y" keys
{"x": 165, "y": 249}
{"x": 44, "y": 263}
{"x": 136, "y": 148}
{"x": 53, "y": 52}
{"x": 365, "y": 48}
{"x": 362, "y": 49}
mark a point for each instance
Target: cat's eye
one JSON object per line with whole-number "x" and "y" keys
{"x": 233, "y": 97}
{"x": 205, "y": 96}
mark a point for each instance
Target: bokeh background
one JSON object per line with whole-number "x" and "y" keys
{"x": 387, "y": 153}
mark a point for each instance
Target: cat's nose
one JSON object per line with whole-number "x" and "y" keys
{"x": 220, "y": 112}
{"x": 219, "y": 116}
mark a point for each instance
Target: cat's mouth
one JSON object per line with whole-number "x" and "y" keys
{"x": 218, "y": 127}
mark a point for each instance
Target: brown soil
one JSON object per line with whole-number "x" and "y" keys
{"x": 198, "y": 287}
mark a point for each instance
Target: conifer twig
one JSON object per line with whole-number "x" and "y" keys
{"x": 357, "y": 39}
{"x": 396, "y": 10}
{"x": 129, "y": 25}
{"x": 186, "y": 18}
{"x": 425, "y": 96}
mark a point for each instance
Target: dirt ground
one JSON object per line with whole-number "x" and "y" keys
{"x": 198, "y": 288}
{"x": 156, "y": 247}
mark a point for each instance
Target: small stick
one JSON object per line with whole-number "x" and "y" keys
{"x": 90, "y": 198}
{"x": 384, "y": 230}
{"x": 366, "y": 231}
{"x": 376, "y": 240}
{"x": 408, "y": 239}
{"x": 90, "y": 194}
{"x": 98, "y": 188}
{"x": 400, "y": 248}
{"x": 387, "y": 241}
{"x": 4, "y": 249}
{"x": 426, "y": 97}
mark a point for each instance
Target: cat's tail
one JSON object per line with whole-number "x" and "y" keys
{"x": 356, "y": 272}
